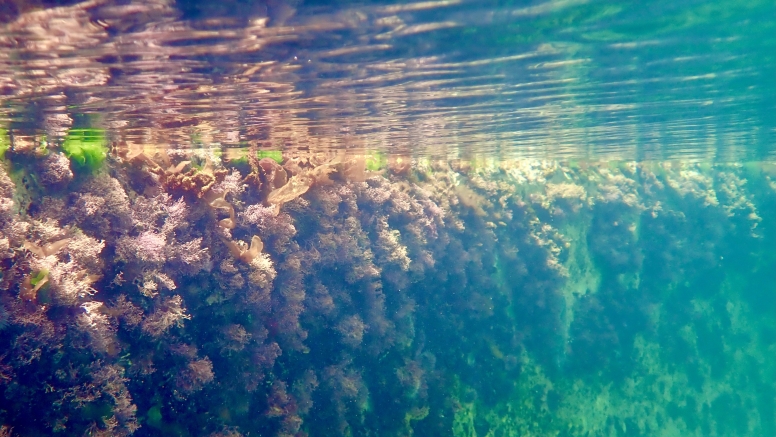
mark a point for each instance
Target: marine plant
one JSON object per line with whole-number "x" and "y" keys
{"x": 275, "y": 155}
{"x": 86, "y": 147}
{"x": 318, "y": 298}
{"x": 376, "y": 161}
{"x": 5, "y": 142}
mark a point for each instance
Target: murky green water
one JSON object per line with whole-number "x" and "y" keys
{"x": 443, "y": 218}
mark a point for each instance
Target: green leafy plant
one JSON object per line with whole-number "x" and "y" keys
{"x": 275, "y": 155}
{"x": 38, "y": 277}
{"x": 86, "y": 148}
{"x": 376, "y": 161}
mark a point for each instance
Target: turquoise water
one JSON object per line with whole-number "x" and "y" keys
{"x": 443, "y": 218}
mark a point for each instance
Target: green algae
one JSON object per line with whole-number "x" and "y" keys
{"x": 37, "y": 277}
{"x": 154, "y": 417}
{"x": 86, "y": 148}
{"x": 376, "y": 161}
{"x": 275, "y": 155}
{"x": 5, "y": 142}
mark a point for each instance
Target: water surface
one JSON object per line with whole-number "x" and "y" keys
{"x": 583, "y": 79}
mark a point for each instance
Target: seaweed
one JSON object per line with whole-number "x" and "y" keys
{"x": 86, "y": 148}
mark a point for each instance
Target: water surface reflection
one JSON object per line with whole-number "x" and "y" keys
{"x": 552, "y": 78}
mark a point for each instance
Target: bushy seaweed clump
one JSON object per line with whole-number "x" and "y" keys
{"x": 86, "y": 148}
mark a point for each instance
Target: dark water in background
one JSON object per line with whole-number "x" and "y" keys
{"x": 584, "y": 79}
{"x": 471, "y": 218}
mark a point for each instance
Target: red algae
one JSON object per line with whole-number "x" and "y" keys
{"x": 334, "y": 299}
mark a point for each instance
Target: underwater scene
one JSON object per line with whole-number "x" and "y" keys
{"x": 306, "y": 218}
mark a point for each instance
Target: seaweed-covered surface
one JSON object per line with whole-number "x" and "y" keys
{"x": 173, "y": 293}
